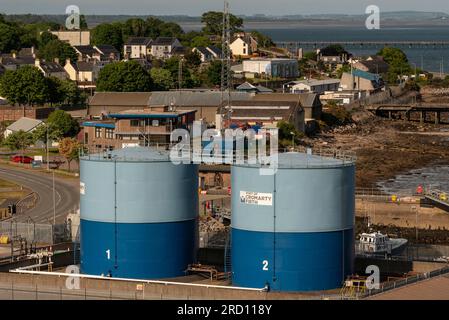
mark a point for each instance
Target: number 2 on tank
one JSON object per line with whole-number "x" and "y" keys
{"x": 265, "y": 265}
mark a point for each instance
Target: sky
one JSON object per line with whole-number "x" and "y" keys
{"x": 196, "y": 7}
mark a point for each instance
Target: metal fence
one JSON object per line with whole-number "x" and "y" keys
{"x": 408, "y": 280}
{"x": 213, "y": 239}
{"x": 35, "y": 233}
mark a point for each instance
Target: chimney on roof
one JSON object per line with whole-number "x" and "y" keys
{"x": 56, "y": 60}
{"x": 67, "y": 61}
{"x": 37, "y": 62}
{"x": 14, "y": 55}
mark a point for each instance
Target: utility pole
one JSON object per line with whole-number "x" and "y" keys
{"x": 54, "y": 200}
{"x": 180, "y": 74}
{"x": 226, "y": 81}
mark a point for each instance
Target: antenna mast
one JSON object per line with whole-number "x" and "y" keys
{"x": 226, "y": 81}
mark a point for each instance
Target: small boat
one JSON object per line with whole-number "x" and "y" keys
{"x": 378, "y": 243}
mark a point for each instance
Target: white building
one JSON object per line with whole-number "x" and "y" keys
{"x": 137, "y": 47}
{"x": 276, "y": 67}
{"x": 74, "y": 37}
{"x": 312, "y": 85}
{"x": 243, "y": 45}
{"x": 165, "y": 47}
{"x": 208, "y": 53}
{"x": 23, "y": 124}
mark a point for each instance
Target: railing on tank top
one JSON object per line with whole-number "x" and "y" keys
{"x": 316, "y": 157}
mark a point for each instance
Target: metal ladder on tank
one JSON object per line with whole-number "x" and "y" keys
{"x": 227, "y": 258}
{"x": 76, "y": 247}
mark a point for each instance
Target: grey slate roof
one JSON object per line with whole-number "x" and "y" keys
{"x": 139, "y": 41}
{"x": 107, "y": 49}
{"x": 24, "y": 124}
{"x": 195, "y": 98}
{"x": 86, "y": 50}
{"x": 216, "y": 51}
{"x": 51, "y": 67}
{"x": 203, "y": 50}
{"x": 164, "y": 41}
{"x": 85, "y": 66}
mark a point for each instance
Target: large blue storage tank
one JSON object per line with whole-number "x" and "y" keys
{"x": 294, "y": 230}
{"x": 139, "y": 214}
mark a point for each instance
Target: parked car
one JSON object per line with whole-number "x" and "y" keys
{"x": 22, "y": 159}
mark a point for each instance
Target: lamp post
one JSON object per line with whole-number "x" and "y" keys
{"x": 293, "y": 139}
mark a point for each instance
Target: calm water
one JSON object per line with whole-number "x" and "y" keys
{"x": 435, "y": 177}
{"x": 428, "y": 57}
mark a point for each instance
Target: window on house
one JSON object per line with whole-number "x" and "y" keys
{"x": 97, "y": 132}
{"x": 244, "y": 50}
{"x": 109, "y": 133}
{"x": 134, "y": 123}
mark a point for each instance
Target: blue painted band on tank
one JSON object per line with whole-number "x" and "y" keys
{"x": 144, "y": 251}
{"x": 299, "y": 262}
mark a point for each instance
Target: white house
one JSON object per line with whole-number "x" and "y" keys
{"x": 165, "y": 47}
{"x": 51, "y": 69}
{"x": 273, "y": 67}
{"x": 84, "y": 73}
{"x": 23, "y": 124}
{"x": 208, "y": 53}
{"x": 243, "y": 45}
{"x": 137, "y": 47}
{"x": 312, "y": 86}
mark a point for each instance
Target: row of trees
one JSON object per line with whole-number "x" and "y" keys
{"x": 130, "y": 76}
{"x": 27, "y": 85}
{"x": 16, "y": 35}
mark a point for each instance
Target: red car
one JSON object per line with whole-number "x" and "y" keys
{"x": 22, "y": 159}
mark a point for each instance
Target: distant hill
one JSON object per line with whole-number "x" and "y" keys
{"x": 390, "y": 18}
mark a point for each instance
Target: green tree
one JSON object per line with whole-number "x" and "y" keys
{"x": 19, "y": 140}
{"x": 398, "y": 63}
{"x": 311, "y": 55}
{"x": 188, "y": 81}
{"x": 62, "y": 125}
{"x": 171, "y": 29}
{"x": 83, "y": 22}
{"x": 213, "y": 21}
{"x": 134, "y": 27}
{"x": 262, "y": 39}
{"x": 213, "y": 73}
{"x": 153, "y": 27}
{"x": 162, "y": 79}
{"x": 9, "y": 38}
{"x": 58, "y": 49}
{"x": 71, "y": 94}
{"x": 40, "y": 134}
{"x": 192, "y": 60}
{"x": 27, "y": 85}
{"x": 108, "y": 33}
{"x": 288, "y": 133}
{"x": 124, "y": 76}
{"x": 45, "y": 37}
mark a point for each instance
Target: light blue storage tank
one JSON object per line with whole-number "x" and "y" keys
{"x": 139, "y": 214}
{"x": 293, "y": 231}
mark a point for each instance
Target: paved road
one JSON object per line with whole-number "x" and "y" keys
{"x": 66, "y": 193}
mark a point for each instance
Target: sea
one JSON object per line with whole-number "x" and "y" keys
{"x": 430, "y": 58}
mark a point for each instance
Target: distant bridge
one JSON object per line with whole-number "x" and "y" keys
{"x": 319, "y": 44}
{"x": 405, "y": 111}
